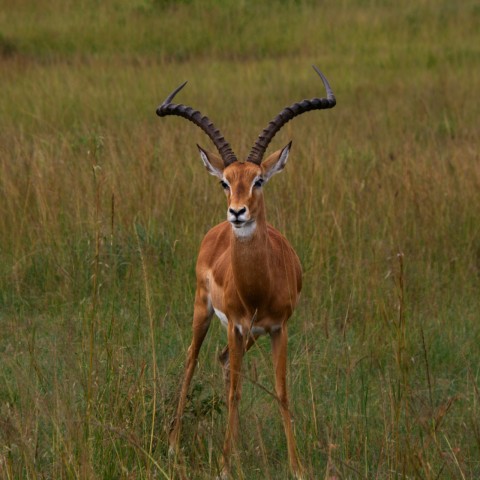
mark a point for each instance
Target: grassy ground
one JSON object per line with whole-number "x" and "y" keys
{"x": 103, "y": 206}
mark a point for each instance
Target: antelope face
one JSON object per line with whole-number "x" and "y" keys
{"x": 242, "y": 183}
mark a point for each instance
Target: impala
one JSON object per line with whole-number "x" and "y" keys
{"x": 247, "y": 273}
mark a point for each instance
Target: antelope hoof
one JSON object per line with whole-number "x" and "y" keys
{"x": 299, "y": 475}
{"x": 173, "y": 450}
{"x": 224, "y": 475}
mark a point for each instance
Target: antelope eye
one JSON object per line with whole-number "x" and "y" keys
{"x": 224, "y": 185}
{"x": 258, "y": 183}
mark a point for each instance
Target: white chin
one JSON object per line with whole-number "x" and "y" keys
{"x": 245, "y": 231}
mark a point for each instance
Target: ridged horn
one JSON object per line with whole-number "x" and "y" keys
{"x": 264, "y": 139}
{"x": 168, "y": 108}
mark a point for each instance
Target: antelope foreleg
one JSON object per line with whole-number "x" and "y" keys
{"x": 201, "y": 321}
{"x": 279, "y": 352}
{"x": 235, "y": 356}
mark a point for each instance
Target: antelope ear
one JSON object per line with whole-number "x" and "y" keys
{"x": 275, "y": 163}
{"x": 213, "y": 163}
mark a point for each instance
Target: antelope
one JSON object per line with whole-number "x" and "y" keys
{"x": 247, "y": 273}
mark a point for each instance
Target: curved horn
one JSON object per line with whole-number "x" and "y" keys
{"x": 168, "y": 108}
{"x": 263, "y": 140}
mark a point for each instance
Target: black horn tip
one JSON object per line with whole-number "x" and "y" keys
{"x": 168, "y": 100}
{"x": 328, "y": 88}
{"x": 172, "y": 95}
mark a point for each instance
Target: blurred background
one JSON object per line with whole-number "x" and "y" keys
{"x": 103, "y": 206}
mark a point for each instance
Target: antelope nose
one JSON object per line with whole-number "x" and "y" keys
{"x": 238, "y": 212}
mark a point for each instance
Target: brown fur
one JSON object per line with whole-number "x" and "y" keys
{"x": 255, "y": 281}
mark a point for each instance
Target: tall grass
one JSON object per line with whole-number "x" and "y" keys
{"x": 103, "y": 206}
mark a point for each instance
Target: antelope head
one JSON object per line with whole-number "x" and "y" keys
{"x": 243, "y": 184}
{"x": 243, "y": 181}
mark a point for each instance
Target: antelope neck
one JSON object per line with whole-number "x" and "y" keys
{"x": 250, "y": 263}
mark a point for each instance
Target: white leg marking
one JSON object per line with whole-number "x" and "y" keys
{"x": 257, "y": 331}
{"x": 223, "y": 318}
{"x": 262, "y": 331}
{"x": 275, "y": 328}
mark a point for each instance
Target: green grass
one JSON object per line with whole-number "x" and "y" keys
{"x": 103, "y": 206}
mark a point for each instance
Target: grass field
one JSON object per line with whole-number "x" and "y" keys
{"x": 103, "y": 206}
